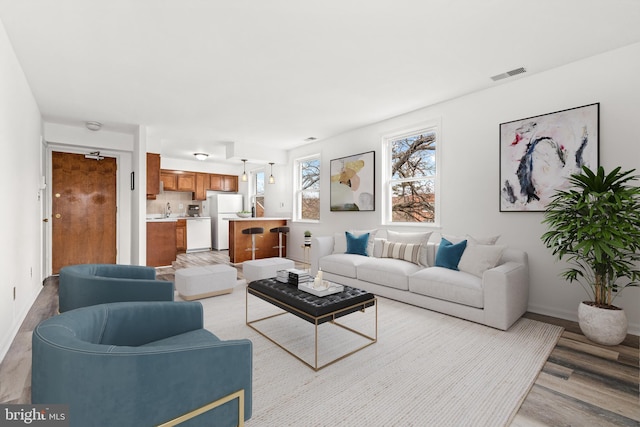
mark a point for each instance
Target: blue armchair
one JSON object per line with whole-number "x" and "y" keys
{"x": 141, "y": 364}
{"x": 90, "y": 284}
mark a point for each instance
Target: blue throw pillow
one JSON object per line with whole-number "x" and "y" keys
{"x": 357, "y": 245}
{"x": 449, "y": 255}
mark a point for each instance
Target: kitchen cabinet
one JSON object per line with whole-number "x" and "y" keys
{"x": 169, "y": 180}
{"x": 153, "y": 175}
{"x": 186, "y": 181}
{"x": 161, "y": 243}
{"x": 215, "y": 182}
{"x": 202, "y": 184}
{"x": 223, "y": 182}
{"x": 181, "y": 235}
{"x": 230, "y": 183}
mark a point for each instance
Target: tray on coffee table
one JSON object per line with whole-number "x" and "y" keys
{"x": 333, "y": 288}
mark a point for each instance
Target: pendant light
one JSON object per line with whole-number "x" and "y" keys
{"x": 244, "y": 170}
{"x": 272, "y": 180}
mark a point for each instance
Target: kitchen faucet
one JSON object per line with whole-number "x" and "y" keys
{"x": 168, "y": 210}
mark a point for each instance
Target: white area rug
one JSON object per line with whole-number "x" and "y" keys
{"x": 427, "y": 369}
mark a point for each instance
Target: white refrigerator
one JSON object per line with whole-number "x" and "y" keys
{"x": 221, "y": 206}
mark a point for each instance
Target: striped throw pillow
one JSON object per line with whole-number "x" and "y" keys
{"x": 404, "y": 251}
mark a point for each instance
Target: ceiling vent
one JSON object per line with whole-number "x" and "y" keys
{"x": 508, "y": 74}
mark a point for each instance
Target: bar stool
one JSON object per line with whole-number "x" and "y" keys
{"x": 280, "y": 231}
{"x": 253, "y": 231}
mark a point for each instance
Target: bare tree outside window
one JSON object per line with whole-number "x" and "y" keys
{"x": 413, "y": 178}
{"x": 308, "y": 194}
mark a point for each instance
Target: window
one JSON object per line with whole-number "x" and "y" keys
{"x": 258, "y": 196}
{"x": 411, "y": 177}
{"x": 307, "y": 188}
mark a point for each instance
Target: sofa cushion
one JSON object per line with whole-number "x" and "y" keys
{"x": 477, "y": 259}
{"x": 449, "y": 285}
{"x": 357, "y": 245}
{"x": 390, "y": 272}
{"x": 341, "y": 264}
{"x": 404, "y": 251}
{"x": 420, "y": 238}
{"x": 449, "y": 254}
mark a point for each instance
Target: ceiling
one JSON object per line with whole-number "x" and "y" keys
{"x": 201, "y": 74}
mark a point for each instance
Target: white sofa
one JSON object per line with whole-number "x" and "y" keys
{"x": 498, "y": 298}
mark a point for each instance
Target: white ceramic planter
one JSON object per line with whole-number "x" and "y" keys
{"x": 607, "y": 327}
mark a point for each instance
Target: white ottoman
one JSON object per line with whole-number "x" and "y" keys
{"x": 202, "y": 282}
{"x": 264, "y": 268}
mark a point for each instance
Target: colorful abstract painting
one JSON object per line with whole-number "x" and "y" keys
{"x": 538, "y": 154}
{"x": 352, "y": 183}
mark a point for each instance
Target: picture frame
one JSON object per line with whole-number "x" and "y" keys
{"x": 538, "y": 154}
{"x": 352, "y": 186}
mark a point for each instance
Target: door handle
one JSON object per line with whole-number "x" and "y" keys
{"x": 45, "y": 220}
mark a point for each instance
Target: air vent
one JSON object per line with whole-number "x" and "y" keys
{"x": 511, "y": 73}
{"x": 311, "y": 138}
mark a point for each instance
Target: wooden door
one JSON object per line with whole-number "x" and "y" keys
{"x": 83, "y": 210}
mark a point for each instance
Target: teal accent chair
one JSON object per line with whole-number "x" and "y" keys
{"x": 141, "y": 364}
{"x": 90, "y": 284}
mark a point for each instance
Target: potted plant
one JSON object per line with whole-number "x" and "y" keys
{"x": 595, "y": 227}
{"x": 307, "y": 237}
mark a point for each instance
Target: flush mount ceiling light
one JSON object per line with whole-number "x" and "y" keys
{"x": 272, "y": 180}
{"x": 94, "y": 126}
{"x": 244, "y": 170}
{"x": 201, "y": 156}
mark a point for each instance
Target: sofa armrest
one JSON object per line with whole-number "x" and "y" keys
{"x": 506, "y": 294}
{"x": 320, "y": 246}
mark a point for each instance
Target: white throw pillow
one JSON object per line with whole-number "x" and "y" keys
{"x": 340, "y": 241}
{"x": 404, "y": 251}
{"x": 416, "y": 238}
{"x": 476, "y": 259}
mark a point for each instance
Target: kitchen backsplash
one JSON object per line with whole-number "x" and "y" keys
{"x": 175, "y": 198}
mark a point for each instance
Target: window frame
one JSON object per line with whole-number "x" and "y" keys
{"x": 297, "y": 191}
{"x": 430, "y": 126}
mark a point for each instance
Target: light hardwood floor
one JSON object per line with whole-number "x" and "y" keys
{"x": 581, "y": 384}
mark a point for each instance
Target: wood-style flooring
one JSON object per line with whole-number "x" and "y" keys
{"x": 581, "y": 384}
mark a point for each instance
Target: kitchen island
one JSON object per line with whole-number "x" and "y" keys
{"x": 266, "y": 244}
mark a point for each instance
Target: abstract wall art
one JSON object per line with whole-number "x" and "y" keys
{"x": 353, "y": 183}
{"x": 538, "y": 155}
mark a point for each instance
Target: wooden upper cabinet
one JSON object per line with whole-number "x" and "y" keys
{"x": 230, "y": 183}
{"x": 186, "y": 181}
{"x": 169, "y": 180}
{"x": 202, "y": 184}
{"x": 153, "y": 175}
{"x": 215, "y": 182}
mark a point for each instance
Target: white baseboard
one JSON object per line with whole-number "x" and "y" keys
{"x": 8, "y": 339}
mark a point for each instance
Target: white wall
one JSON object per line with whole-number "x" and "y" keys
{"x": 20, "y": 172}
{"x": 470, "y": 163}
